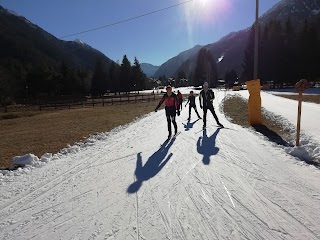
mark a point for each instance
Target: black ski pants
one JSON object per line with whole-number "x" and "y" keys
{"x": 171, "y": 117}
{"x": 205, "y": 109}
{"x": 195, "y": 109}
{"x": 180, "y": 104}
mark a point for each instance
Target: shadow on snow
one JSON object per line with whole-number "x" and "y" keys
{"x": 271, "y": 135}
{"x": 206, "y": 146}
{"x": 152, "y": 167}
{"x": 189, "y": 124}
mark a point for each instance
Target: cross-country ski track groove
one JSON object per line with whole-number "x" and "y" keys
{"x": 132, "y": 184}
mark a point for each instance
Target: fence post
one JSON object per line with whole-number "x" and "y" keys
{"x": 299, "y": 118}
{"x": 111, "y": 101}
{"x": 135, "y": 98}
{"x": 55, "y": 106}
{"x": 92, "y": 102}
{"x": 300, "y": 87}
{"x": 128, "y": 97}
{"x": 148, "y": 98}
{"x": 120, "y": 99}
{"x": 103, "y": 102}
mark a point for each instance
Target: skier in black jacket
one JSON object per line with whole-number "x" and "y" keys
{"x": 192, "y": 104}
{"x": 172, "y": 107}
{"x": 206, "y": 97}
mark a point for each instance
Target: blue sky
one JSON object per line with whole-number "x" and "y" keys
{"x": 153, "y": 39}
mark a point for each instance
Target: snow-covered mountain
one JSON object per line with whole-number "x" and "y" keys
{"x": 149, "y": 69}
{"x": 229, "y": 50}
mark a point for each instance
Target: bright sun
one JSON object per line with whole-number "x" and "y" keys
{"x": 206, "y": 5}
{"x": 203, "y": 2}
{"x": 206, "y": 11}
{"x": 209, "y": 3}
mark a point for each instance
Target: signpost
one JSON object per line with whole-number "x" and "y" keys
{"x": 300, "y": 87}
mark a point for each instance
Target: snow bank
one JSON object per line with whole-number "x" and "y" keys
{"x": 28, "y": 159}
{"x": 309, "y": 149}
{"x": 284, "y": 111}
{"x": 26, "y": 163}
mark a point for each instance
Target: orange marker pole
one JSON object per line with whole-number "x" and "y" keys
{"x": 299, "y": 118}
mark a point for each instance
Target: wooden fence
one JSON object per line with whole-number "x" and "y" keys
{"x": 101, "y": 101}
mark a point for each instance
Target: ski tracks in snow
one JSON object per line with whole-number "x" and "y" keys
{"x": 212, "y": 184}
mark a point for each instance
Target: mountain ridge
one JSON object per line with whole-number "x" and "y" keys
{"x": 231, "y": 47}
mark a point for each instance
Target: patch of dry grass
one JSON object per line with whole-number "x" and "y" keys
{"x": 41, "y": 132}
{"x": 236, "y": 108}
{"x": 305, "y": 98}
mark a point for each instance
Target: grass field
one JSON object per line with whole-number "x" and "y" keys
{"x": 49, "y": 131}
{"x": 236, "y": 108}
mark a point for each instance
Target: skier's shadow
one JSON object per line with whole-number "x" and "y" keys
{"x": 152, "y": 167}
{"x": 206, "y": 146}
{"x": 189, "y": 124}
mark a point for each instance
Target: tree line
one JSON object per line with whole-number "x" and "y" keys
{"x": 33, "y": 81}
{"x": 287, "y": 53}
{"x": 118, "y": 78}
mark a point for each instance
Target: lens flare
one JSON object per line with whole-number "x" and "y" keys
{"x": 203, "y": 2}
{"x": 205, "y": 13}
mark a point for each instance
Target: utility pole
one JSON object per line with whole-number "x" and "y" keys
{"x": 256, "y": 43}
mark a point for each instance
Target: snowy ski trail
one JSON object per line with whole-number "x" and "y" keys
{"x": 212, "y": 184}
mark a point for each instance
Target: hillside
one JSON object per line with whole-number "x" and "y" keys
{"x": 229, "y": 50}
{"x": 25, "y": 46}
{"x": 170, "y": 67}
{"x": 148, "y": 69}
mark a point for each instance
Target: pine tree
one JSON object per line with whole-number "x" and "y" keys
{"x": 83, "y": 85}
{"x": 114, "y": 77}
{"x": 290, "y": 54}
{"x": 125, "y": 74}
{"x": 99, "y": 79}
{"x": 230, "y": 78}
{"x": 277, "y": 48}
{"x": 138, "y": 77}
{"x": 248, "y": 61}
{"x": 5, "y": 89}
{"x": 206, "y": 69}
{"x": 309, "y": 52}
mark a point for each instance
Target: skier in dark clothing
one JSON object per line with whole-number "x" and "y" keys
{"x": 192, "y": 104}
{"x": 180, "y": 98}
{"x": 206, "y": 97}
{"x": 171, "y": 107}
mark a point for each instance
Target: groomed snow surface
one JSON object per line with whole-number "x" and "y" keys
{"x": 130, "y": 183}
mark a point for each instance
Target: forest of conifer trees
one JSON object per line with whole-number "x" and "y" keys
{"x": 54, "y": 80}
{"x": 286, "y": 53}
